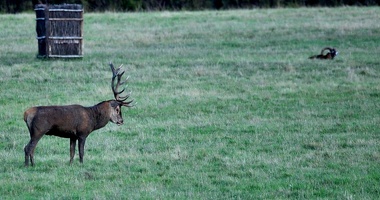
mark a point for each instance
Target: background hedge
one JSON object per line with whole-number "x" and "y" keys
{"x": 15, "y": 6}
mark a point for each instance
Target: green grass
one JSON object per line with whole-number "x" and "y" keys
{"x": 229, "y": 106}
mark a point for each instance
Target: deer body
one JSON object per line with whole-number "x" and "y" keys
{"x": 330, "y": 54}
{"x": 75, "y": 122}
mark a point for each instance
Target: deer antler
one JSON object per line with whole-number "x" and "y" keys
{"x": 119, "y": 73}
{"x": 326, "y": 48}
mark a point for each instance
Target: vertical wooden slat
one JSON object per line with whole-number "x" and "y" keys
{"x": 47, "y": 32}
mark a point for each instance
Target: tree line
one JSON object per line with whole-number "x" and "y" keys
{"x": 16, "y": 6}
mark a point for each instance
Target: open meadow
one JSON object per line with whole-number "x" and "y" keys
{"x": 228, "y": 106}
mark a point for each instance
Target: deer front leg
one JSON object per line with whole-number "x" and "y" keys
{"x": 73, "y": 142}
{"x": 81, "y": 143}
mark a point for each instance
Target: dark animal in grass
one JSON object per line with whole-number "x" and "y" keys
{"x": 75, "y": 122}
{"x": 330, "y": 54}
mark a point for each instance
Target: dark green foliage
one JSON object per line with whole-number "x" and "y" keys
{"x": 15, "y": 6}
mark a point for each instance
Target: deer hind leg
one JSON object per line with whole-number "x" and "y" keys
{"x": 35, "y": 136}
{"x": 29, "y": 151}
{"x": 73, "y": 142}
{"x": 32, "y": 154}
{"x": 81, "y": 143}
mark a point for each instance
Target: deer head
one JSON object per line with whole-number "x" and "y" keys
{"x": 116, "y": 116}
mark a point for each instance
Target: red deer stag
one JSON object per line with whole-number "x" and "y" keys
{"x": 75, "y": 121}
{"x": 330, "y": 55}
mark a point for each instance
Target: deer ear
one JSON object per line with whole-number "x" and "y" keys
{"x": 114, "y": 104}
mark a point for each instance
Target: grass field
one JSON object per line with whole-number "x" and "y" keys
{"x": 228, "y": 106}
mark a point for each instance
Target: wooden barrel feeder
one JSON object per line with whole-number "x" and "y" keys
{"x": 59, "y": 30}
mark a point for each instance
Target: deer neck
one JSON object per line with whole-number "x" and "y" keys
{"x": 101, "y": 114}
